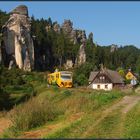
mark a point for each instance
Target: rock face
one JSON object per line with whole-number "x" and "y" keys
{"x": 18, "y": 43}
{"x": 113, "y": 48}
{"x": 69, "y": 64}
{"x": 81, "y": 57}
{"x": 67, "y": 27}
{"x": 56, "y": 27}
{"x": 48, "y": 28}
{"x": 75, "y": 36}
{"x": 90, "y": 38}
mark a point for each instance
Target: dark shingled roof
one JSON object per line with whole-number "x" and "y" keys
{"x": 92, "y": 75}
{"x": 21, "y": 9}
{"x": 113, "y": 75}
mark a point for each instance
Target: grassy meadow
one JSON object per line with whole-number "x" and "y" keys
{"x": 37, "y": 110}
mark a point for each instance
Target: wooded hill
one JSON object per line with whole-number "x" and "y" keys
{"x": 57, "y": 48}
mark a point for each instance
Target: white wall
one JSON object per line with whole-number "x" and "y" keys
{"x": 102, "y": 86}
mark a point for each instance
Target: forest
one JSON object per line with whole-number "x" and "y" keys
{"x": 31, "y": 108}
{"x": 53, "y": 49}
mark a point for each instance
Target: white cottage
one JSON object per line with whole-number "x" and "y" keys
{"x": 105, "y": 79}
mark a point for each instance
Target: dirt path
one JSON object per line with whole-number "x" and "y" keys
{"x": 51, "y": 128}
{"x": 4, "y": 124}
{"x": 125, "y": 105}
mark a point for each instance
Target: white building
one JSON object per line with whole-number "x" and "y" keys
{"x": 105, "y": 79}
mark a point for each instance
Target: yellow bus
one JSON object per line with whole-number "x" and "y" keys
{"x": 61, "y": 78}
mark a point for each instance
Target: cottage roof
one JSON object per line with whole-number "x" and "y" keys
{"x": 113, "y": 75}
{"x": 92, "y": 75}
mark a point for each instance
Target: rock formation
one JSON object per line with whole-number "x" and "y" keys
{"x": 76, "y": 36}
{"x": 48, "y": 28}
{"x": 73, "y": 36}
{"x": 68, "y": 64}
{"x": 90, "y": 38}
{"x": 18, "y": 43}
{"x": 67, "y": 27}
{"x": 81, "y": 57}
{"x": 56, "y": 28}
{"x": 113, "y": 48}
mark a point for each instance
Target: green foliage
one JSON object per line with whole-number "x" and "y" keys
{"x": 80, "y": 79}
{"x": 53, "y": 49}
{"x": 132, "y": 123}
{"x": 4, "y": 99}
{"x": 3, "y": 18}
{"x": 17, "y": 86}
{"x": 81, "y": 74}
{"x": 121, "y": 72}
{"x": 67, "y": 92}
{"x": 49, "y": 105}
{"x": 32, "y": 114}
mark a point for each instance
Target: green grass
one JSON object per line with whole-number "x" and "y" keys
{"x": 50, "y": 104}
{"x": 17, "y": 86}
{"x": 64, "y": 131}
{"x": 132, "y": 123}
{"x": 37, "y": 104}
{"x": 107, "y": 128}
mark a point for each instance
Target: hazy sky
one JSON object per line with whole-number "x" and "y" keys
{"x": 111, "y": 22}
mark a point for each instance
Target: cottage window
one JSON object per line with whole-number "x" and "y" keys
{"x": 106, "y": 86}
{"x": 98, "y": 86}
{"x": 102, "y": 77}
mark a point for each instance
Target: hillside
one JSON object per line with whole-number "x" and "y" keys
{"x": 53, "y": 112}
{"x": 75, "y": 113}
{"x": 54, "y": 45}
{"x": 31, "y": 108}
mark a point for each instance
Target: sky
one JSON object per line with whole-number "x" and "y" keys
{"x": 110, "y": 22}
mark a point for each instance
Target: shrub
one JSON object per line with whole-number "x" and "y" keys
{"x": 67, "y": 92}
{"x": 80, "y": 79}
{"x": 81, "y": 74}
{"x": 32, "y": 114}
{"x": 4, "y": 100}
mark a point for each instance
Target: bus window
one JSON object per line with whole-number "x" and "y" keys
{"x": 66, "y": 77}
{"x": 52, "y": 77}
{"x": 57, "y": 75}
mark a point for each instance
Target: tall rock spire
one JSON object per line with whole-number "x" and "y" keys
{"x": 18, "y": 43}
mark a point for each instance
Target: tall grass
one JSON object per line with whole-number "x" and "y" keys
{"x": 32, "y": 114}
{"x": 132, "y": 123}
{"x": 52, "y": 103}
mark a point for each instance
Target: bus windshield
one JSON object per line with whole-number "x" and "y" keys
{"x": 66, "y": 77}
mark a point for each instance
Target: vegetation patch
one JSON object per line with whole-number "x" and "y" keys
{"x": 132, "y": 123}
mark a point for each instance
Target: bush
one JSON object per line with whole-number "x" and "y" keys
{"x": 32, "y": 114}
{"x": 81, "y": 74}
{"x": 4, "y": 100}
{"x": 81, "y": 79}
{"x": 67, "y": 92}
